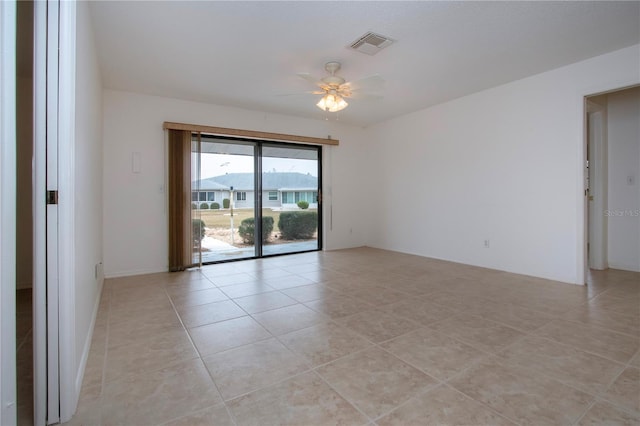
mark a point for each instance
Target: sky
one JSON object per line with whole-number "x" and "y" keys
{"x": 219, "y": 164}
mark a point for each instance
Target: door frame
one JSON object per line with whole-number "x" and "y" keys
{"x": 583, "y": 224}
{"x": 70, "y": 371}
{"x": 56, "y": 390}
{"x": 8, "y": 27}
{"x": 258, "y": 145}
{"x": 40, "y": 107}
{"x": 597, "y": 221}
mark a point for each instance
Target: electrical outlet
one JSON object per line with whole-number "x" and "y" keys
{"x": 486, "y": 244}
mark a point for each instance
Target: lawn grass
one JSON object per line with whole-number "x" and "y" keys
{"x": 221, "y": 218}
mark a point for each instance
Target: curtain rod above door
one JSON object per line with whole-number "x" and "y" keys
{"x": 168, "y": 125}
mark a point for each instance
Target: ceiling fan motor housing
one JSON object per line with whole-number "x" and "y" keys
{"x": 332, "y": 67}
{"x": 333, "y": 80}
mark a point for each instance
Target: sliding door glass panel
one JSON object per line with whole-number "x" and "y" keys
{"x": 223, "y": 197}
{"x": 290, "y": 208}
{"x": 197, "y": 225}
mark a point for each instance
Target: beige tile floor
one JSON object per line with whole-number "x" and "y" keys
{"x": 363, "y": 336}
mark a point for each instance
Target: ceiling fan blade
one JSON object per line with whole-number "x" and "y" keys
{"x": 371, "y": 83}
{"x": 364, "y": 96}
{"x": 310, "y": 92}
{"x": 311, "y": 79}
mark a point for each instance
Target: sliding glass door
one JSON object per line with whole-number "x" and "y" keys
{"x": 222, "y": 192}
{"x": 290, "y": 193}
{"x": 242, "y": 189}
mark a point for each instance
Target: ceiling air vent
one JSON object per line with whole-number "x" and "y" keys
{"x": 371, "y": 43}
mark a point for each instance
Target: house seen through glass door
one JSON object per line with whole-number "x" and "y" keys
{"x": 243, "y": 188}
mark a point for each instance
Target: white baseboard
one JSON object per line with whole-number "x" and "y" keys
{"x": 87, "y": 346}
{"x": 120, "y": 274}
{"x": 623, "y": 267}
{"x": 479, "y": 265}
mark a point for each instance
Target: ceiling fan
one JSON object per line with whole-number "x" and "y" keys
{"x": 336, "y": 89}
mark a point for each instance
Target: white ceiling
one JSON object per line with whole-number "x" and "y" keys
{"x": 247, "y": 54}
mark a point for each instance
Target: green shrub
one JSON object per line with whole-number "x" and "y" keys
{"x": 303, "y": 205}
{"x": 247, "y": 229}
{"x": 204, "y": 206}
{"x": 225, "y": 203}
{"x": 194, "y": 206}
{"x": 298, "y": 225}
{"x": 198, "y": 230}
{"x": 215, "y": 206}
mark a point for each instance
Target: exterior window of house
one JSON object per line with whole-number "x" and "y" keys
{"x": 202, "y": 196}
{"x": 273, "y": 195}
{"x": 241, "y": 196}
{"x": 194, "y": 196}
{"x": 294, "y": 197}
{"x": 211, "y": 196}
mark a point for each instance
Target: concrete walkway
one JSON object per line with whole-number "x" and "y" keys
{"x": 219, "y": 250}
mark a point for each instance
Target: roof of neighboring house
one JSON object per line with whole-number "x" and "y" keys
{"x": 209, "y": 186}
{"x": 270, "y": 181}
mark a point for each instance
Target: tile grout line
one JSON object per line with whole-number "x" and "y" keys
{"x": 603, "y": 395}
{"x": 509, "y": 367}
{"x": 578, "y": 348}
{"x": 610, "y": 330}
{"x": 354, "y": 405}
{"x": 438, "y": 382}
{"x": 195, "y": 348}
{"x": 594, "y": 393}
{"x": 483, "y": 404}
{"x": 226, "y": 407}
{"x": 584, "y": 413}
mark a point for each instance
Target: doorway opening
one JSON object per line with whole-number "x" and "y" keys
{"x": 24, "y": 217}
{"x": 612, "y": 206}
{"x": 253, "y": 198}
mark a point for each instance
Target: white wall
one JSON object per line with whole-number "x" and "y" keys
{"x": 135, "y": 220}
{"x": 504, "y": 164}
{"x": 624, "y": 172}
{"x": 88, "y": 250}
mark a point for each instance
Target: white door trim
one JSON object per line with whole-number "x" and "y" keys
{"x": 66, "y": 211}
{"x": 8, "y": 213}
{"x": 52, "y": 212}
{"x": 55, "y": 389}
{"x": 39, "y": 215}
{"x": 597, "y": 202}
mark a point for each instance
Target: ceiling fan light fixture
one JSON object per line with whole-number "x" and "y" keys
{"x": 332, "y": 103}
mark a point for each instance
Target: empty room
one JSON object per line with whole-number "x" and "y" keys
{"x": 319, "y": 212}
